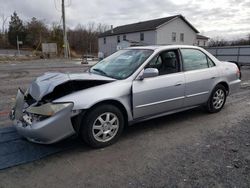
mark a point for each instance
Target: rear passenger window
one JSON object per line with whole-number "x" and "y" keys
{"x": 194, "y": 59}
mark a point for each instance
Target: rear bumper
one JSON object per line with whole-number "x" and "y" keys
{"x": 234, "y": 86}
{"x": 47, "y": 131}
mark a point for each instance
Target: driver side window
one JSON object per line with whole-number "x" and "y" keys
{"x": 156, "y": 62}
{"x": 166, "y": 62}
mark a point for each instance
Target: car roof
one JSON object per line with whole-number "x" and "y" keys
{"x": 164, "y": 47}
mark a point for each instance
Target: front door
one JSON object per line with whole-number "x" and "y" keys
{"x": 163, "y": 93}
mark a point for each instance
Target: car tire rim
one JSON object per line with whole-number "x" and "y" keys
{"x": 218, "y": 99}
{"x": 105, "y": 127}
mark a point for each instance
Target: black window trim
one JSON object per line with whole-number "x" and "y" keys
{"x": 207, "y": 57}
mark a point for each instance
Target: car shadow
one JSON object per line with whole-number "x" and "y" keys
{"x": 168, "y": 122}
{"x": 33, "y": 152}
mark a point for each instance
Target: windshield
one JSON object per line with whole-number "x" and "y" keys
{"x": 121, "y": 64}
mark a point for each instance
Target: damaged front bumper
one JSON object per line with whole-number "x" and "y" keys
{"x": 46, "y": 130}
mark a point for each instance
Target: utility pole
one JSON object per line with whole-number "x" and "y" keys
{"x": 65, "y": 41}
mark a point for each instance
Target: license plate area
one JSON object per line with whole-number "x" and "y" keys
{"x": 27, "y": 119}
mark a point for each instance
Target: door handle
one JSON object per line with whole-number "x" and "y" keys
{"x": 213, "y": 77}
{"x": 178, "y": 84}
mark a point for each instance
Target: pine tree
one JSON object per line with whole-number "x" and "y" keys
{"x": 16, "y": 28}
{"x": 37, "y": 32}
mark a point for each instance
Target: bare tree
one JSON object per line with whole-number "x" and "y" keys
{"x": 4, "y": 20}
{"x": 222, "y": 42}
{"x": 217, "y": 41}
{"x": 3, "y": 33}
{"x": 101, "y": 28}
{"x": 84, "y": 38}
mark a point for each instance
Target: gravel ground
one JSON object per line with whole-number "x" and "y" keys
{"x": 220, "y": 159}
{"x": 188, "y": 149}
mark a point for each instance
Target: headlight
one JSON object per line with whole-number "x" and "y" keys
{"x": 48, "y": 109}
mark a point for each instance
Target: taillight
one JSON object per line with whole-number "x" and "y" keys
{"x": 238, "y": 73}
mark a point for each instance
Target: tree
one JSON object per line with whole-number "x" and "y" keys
{"x": 3, "y": 33}
{"x": 56, "y": 36}
{"x": 37, "y": 32}
{"x": 84, "y": 38}
{"x": 16, "y": 28}
{"x": 218, "y": 42}
{"x": 3, "y": 19}
{"x": 101, "y": 28}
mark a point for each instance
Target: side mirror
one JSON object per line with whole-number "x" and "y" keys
{"x": 149, "y": 72}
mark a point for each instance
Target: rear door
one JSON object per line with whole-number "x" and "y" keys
{"x": 163, "y": 93}
{"x": 200, "y": 75}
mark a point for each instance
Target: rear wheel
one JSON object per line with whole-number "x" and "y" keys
{"x": 102, "y": 126}
{"x": 217, "y": 99}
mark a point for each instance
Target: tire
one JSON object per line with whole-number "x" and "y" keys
{"x": 102, "y": 126}
{"x": 217, "y": 99}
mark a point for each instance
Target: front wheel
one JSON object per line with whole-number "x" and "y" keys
{"x": 217, "y": 99}
{"x": 102, "y": 126}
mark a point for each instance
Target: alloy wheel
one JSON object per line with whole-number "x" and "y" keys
{"x": 105, "y": 127}
{"x": 218, "y": 99}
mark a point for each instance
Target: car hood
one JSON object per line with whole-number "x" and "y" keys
{"x": 46, "y": 83}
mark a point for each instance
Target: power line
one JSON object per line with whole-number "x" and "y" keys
{"x": 65, "y": 40}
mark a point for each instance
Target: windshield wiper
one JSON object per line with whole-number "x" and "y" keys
{"x": 100, "y": 71}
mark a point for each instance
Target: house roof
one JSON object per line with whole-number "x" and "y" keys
{"x": 202, "y": 37}
{"x": 144, "y": 26}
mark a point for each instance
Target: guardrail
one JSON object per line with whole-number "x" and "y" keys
{"x": 236, "y": 54}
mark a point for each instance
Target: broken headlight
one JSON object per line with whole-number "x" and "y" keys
{"x": 48, "y": 109}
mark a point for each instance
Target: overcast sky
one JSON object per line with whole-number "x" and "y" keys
{"x": 228, "y": 19}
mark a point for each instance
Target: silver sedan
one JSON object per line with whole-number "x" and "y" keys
{"x": 131, "y": 85}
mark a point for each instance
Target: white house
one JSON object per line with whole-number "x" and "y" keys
{"x": 202, "y": 40}
{"x": 169, "y": 30}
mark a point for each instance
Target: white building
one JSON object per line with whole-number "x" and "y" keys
{"x": 202, "y": 40}
{"x": 170, "y": 30}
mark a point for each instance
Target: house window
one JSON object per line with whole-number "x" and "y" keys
{"x": 118, "y": 39}
{"x": 142, "y": 36}
{"x": 182, "y": 37}
{"x": 104, "y": 40}
{"x": 198, "y": 43}
{"x": 124, "y": 37}
{"x": 173, "y": 36}
{"x": 204, "y": 43}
